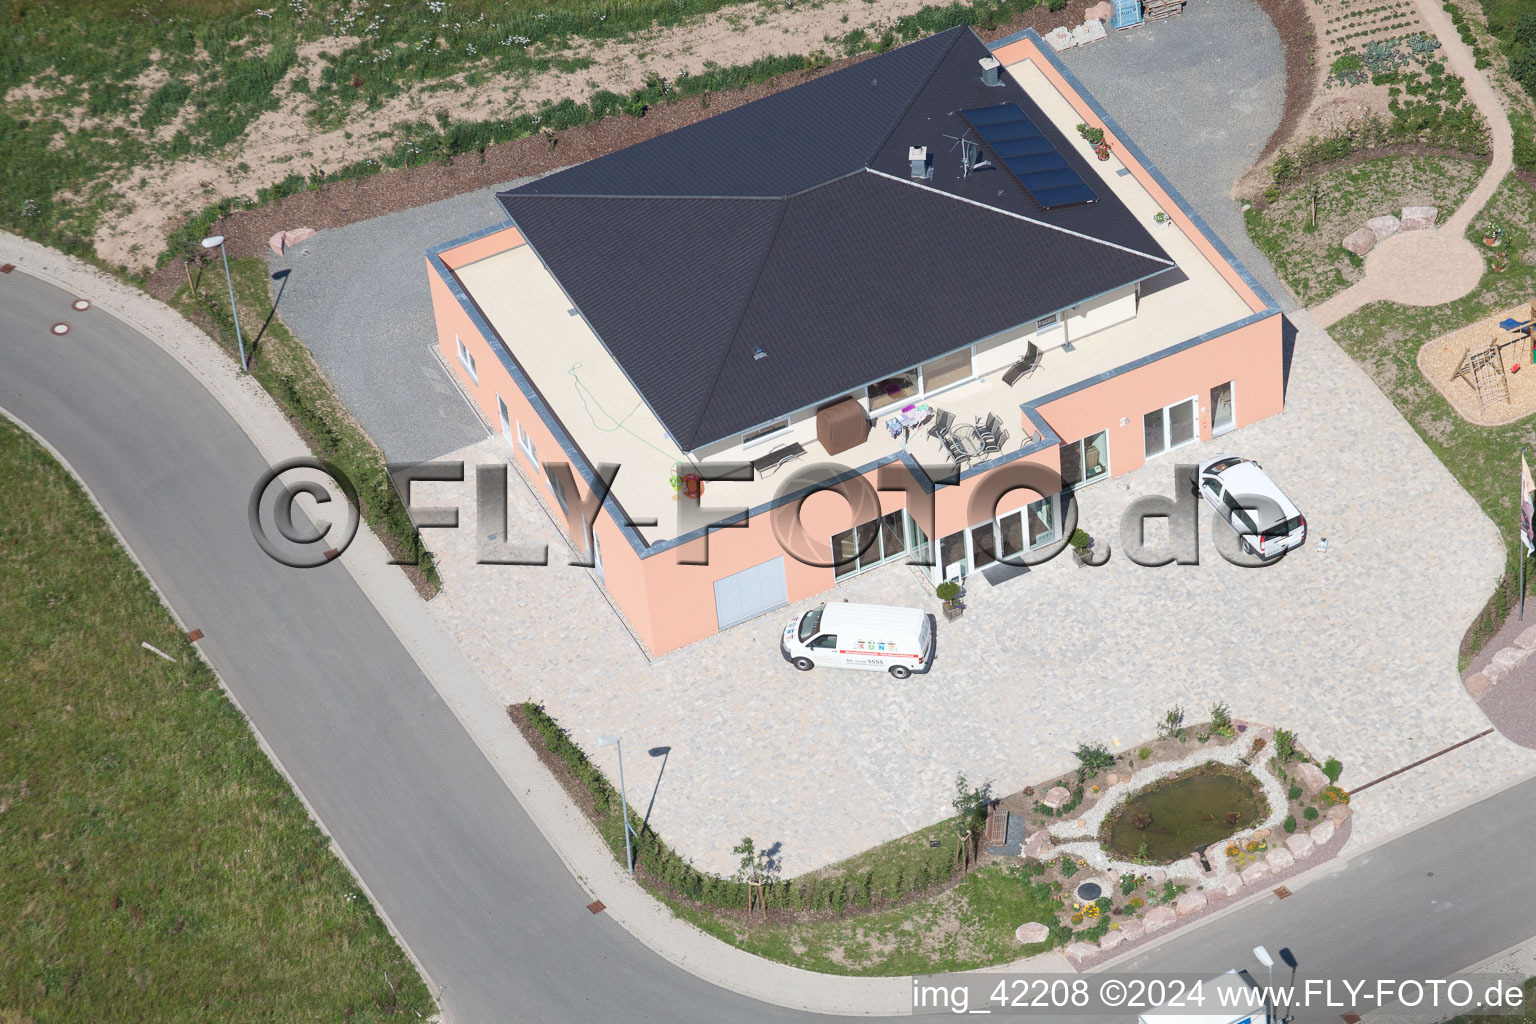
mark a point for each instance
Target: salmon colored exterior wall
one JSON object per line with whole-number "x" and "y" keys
{"x": 669, "y": 604}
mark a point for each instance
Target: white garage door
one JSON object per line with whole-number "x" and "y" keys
{"x": 750, "y": 592}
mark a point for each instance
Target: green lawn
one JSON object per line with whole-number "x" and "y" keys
{"x": 156, "y": 866}
{"x": 1313, "y": 262}
{"x": 1385, "y": 338}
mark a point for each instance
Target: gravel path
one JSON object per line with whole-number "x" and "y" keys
{"x": 357, "y": 297}
{"x": 1200, "y": 94}
{"x": 1427, "y": 268}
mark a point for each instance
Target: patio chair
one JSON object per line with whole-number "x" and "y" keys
{"x": 956, "y": 450}
{"x": 1025, "y": 367}
{"x": 991, "y": 435}
{"x": 943, "y": 423}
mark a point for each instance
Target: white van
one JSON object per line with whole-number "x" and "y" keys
{"x": 868, "y": 636}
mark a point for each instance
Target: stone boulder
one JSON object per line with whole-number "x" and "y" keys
{"x": 1079, "y": 950}
{"x": 1279, "y": 859}
{"x": 1337, "y": 813}
{"x": 1037, "y": 846}
{"x": 1300, "y": 845}
{"x": 1261, "y": 833}
{"x": 1230, "y": 884}
{"x": 1214, "y": 896}
{"x": 1478, "y": 685}
{"x": 1311, "y": 778}
{"x": 1056, "y": 797}
{"x": 1060, "y": 39}
{"x": 1099, "y": 11}
{"x": 1361, "y": 242}
{"x": 1255, "y": 871}
{"x": 1111, "y": 940}
{"x": 1189, "y": 903}
{"x": 1031, "y": 932}
{"x": 1510, "y": 657}
{"x": 1159, "y": 918}
{"x": 1495, "y": 672}
{"x": 1113, "y": 778}
{"x": 1322, "y": 832}
{"x": 1157, "y": 876}
{"x": 1383, "y": 227}
{"x": 1419, "y": 218}
{"x": 1526, "y": 641}
{"x": 1132, "y": 928}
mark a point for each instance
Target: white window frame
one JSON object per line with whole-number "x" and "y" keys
{"x": 1232, "y": 424}
{"x": 506, "y": 418}
{"x": 467, "y": 360}
{"x": 526, "y": 444}
{"x": 767, "y": 432}
{"x": 1172, "y": 447}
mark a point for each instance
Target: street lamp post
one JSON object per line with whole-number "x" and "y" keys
{"x": 1262, "y": 955}
{"x": 217, "y": 242}
{"x": 613, "y": 741}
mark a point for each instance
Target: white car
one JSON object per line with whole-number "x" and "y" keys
{"x": 1267, "y": 523}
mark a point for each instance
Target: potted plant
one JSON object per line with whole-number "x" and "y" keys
{"x": 949, "y": 593}
{"x": 1492, "y": 235}
{"x": 1500, "y": 263}
{"x": 1161, "y": 219}
{"x": 1101, "y": 150}
{"x": 1082, "y": 547}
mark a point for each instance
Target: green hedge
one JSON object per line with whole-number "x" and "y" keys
{"x": 889, "y": 879}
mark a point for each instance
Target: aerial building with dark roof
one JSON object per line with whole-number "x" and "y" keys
{"x": 914, "y": 268}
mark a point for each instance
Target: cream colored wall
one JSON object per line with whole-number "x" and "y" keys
{"x": 1105, "y": 311}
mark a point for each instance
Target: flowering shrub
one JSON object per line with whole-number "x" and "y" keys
{"x": 1233, "y": 850}
{"x": 1077, "y": 918}
{"x": 1135, "y": 903}
{"x": 1332, "y": 795}
{"x": 1091, "y": 910}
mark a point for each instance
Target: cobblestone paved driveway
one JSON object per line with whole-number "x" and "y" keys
{"x": 1355, "y": 649}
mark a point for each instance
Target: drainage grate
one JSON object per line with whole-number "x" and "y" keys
{"x": 6, "y": 268}
{"x": 195, "y": 636}
{"x": 596, "y": 906}
{"x": 1282, "y": 892}
{"x": 1350, "y": 1018}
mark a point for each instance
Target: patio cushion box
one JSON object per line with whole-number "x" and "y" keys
{"x": 841, "y": 425}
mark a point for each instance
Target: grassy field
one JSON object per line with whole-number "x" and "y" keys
{"x": 1385, "y": 338}
{"x": 1313, "y": 261}
{"x": 288, "y": 372}
{"x": 156, "y": 865}
{"x": 967, "y": 926}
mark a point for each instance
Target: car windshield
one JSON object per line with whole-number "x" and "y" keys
{"x": 1284, "y": 529}
{"x": 811, "y": 624}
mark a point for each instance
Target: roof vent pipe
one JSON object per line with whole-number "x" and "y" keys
{"x": 991, "y": 71}
{"x": 919, "y": 157}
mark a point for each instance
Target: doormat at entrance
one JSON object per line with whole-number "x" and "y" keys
{"x": 997, "y": 575}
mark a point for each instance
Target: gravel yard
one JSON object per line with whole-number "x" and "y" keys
{"x": 1200, "y": 94}
{"x": 357, "y": 296}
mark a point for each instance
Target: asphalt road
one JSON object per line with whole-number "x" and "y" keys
{"x": 443, "y": 845}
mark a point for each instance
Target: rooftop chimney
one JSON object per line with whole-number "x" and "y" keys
{"x": 990, "y": 71}
{"x": 919, "y": 157}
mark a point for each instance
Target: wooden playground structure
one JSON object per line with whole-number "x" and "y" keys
{"x": 1479, "y": 367}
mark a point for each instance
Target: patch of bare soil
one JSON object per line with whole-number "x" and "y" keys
{"x": 1298, "y": 36}
{"x": 142, "y": 231}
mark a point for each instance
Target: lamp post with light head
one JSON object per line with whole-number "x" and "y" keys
{"x": 614, "y": 741}
{"x": 217, "y": 242}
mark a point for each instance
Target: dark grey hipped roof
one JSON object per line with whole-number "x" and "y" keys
{"x": 791, "y": 225}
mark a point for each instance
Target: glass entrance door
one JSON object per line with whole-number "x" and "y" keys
{"x": 1041, "y": 519}
{"x": 1221, "y": 408}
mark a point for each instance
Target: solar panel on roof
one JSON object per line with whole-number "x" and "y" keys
{"x": 1029, "y": 155}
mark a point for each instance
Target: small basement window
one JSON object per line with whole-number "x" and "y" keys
{"x": 766, "y": 432}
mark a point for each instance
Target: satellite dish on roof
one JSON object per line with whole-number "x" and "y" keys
{"x": 970, "y": 154}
